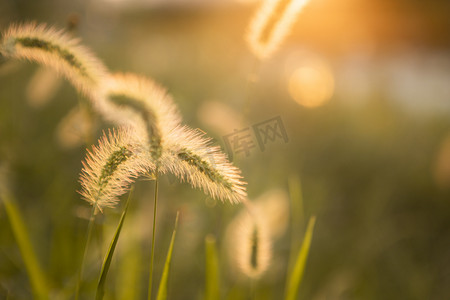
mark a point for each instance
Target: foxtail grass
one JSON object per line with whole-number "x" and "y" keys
{"x": 250, "y": 244}
{"x": 53, "y": 48}
{"x": 111, "y": 167}
{"x": 107, "y": 173}
{"x": 155, "y": 142}
{"x": 131, "y": 99}
{"x": 191, "y": 158}
{"x": 271, "y": 24}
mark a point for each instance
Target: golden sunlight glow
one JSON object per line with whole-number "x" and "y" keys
{"x": 246, "y": 1}
{"x": 312, "y": 83}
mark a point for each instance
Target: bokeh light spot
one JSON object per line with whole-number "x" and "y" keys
{"x": 312, "y": 83}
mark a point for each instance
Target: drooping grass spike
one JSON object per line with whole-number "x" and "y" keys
{"x": 111, "y": 167}
{"x": 56, "y": 49}
{"x": 191, "y": 157}
{"x": 136, "y": 100}
{"x": 271, "y": 24}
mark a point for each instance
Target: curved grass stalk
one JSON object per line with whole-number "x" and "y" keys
{"x": 271, "y": 24}
{"x": 55, "y": 49}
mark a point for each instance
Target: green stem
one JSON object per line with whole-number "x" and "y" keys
{"x": 150, "y": 281}
{"x": 90, "y": 229}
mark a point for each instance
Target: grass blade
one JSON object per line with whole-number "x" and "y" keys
{"x": 162, "y": 291}
{"x": 35, "y": 273}
{"x": 296, "y": 195}
{"x": 107, "y": 262}
{"x": 296, "y": 275}
{"x": 212, "y": 291}
{"x": 297, "y": 218}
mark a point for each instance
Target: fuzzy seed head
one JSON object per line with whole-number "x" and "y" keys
{"x": 271, "y": 24}
{"x": 111, "y": 167}
{"x": 134, "y": 100}
{"x": 249, "y": 245}
{"x": 190, "y": 157}
{"x": 55, "y": 49}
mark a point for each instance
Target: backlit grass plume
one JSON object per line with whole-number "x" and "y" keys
{"x": 111, "y": 167}
{"x": 190, "y": 157}
{"x": 53, "y": 48}
{"x": 131, "y": 99}
{"x": 271, "y": 24}
{"x": 249, "y": 244}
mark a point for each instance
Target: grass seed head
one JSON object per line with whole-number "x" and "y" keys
{"x": 55, "y": 49}
{"x": 190, "y": 157}
{"x": 135, "y": 100}
{"x": 249, "y": 244}
{"x": 111, "y": 167}
{"x": 271, "y": 24}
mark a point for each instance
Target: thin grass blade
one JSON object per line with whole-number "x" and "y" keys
{"x": 35, "y": 273}
{"x": 108, "y": 258}
{"x": 296, "y": 275}
{"x": 212, "y": 291}
{"x": 162, "y": 291}
{"x": 297, "y": 217}
{"x": 296, "y": 195}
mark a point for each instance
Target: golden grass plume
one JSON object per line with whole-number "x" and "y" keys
{"x": 249, "y": 244}
{"x": 271, "y": 24}
{"x": 111, "y": 167}
{"x": 191, "y": 157}
{"x": 53, "y": 48}
{"x": 136, "y": 100}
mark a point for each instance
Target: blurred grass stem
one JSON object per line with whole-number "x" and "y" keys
{"x": 90, "y": 229}
{"x": 35, "y": 273}
{"x": 152, "y": 255}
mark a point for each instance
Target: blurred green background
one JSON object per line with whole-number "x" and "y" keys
{"x": 373, "y": 157}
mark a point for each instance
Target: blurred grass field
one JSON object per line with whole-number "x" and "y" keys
{"x": 372, "y": 160}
